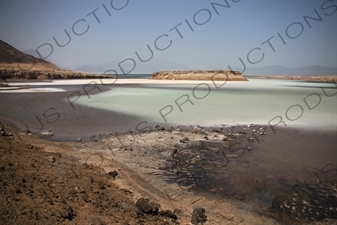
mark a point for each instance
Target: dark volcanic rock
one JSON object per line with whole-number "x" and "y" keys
{"x": 113, "y": 174}
{"x": 155, "y": 207}
{"x": 198, "y": 216}
{"x": 148, "y": 207}
{"x": 144, "y": 205}
{"x": 168, "y": 213}
{"x": 159, "y": 128}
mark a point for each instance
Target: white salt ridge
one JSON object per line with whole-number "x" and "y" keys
{"x": 29, "y": 90}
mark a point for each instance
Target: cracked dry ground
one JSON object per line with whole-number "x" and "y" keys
{"x": 38, "y": 187}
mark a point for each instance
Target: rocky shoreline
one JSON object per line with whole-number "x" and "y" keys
{"x": 219, "y": 75}
{"x": 16, "y": 74}
{"x": 201, "y": 160}
{"x": 39, "y": 186}
{"x": 167, "y": 176}
{"x": 332, "y": 79}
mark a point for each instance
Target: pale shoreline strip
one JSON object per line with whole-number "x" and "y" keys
{"x": 110, "y": 82}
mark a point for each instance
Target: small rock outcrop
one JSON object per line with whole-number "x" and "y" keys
{"x": 215, "y": 75}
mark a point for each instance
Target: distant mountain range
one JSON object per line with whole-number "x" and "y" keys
{"x": 11, "y": 55}
{"x": 140, "y": 68}
{"x": 90, "y": 69}
{"x": 32, "y": 52}
{"x": 299, "y": 71}
{"x": 159, "y": 65}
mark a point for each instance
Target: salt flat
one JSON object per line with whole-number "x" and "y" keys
{"x": 109, "y": 82}
{"x": 29, "y": 90}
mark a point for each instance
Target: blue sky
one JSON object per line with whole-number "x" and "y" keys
{"x": 218, "y": 41}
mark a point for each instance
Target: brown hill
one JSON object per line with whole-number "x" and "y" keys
{"x": 15, "y": 64}
{"x": 11, "y": 57}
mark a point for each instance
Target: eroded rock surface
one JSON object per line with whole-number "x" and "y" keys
{"x": 225, "y": 75}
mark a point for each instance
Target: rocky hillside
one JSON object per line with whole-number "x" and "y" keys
{"x": 14, "y": 58}
{"x": 15, "y": 64}
{"x": 199, "y": 75}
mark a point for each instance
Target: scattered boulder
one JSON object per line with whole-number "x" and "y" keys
{"x": 148, "y": 207}
{"x": 198, "y": 216}
{"x": 144, "y": 205}
{"x": 155, "y": 207}
{"x": 159, "y": 128}
{"x": 5, "y": 133}
{"x": 168, "y": 213}
{"x": 113, "y": 174}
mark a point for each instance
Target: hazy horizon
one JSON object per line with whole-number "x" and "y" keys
{"x": 189, "y": 34}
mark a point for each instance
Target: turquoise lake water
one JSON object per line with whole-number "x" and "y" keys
{"x": 299, "y": 104}
{"x": 135, "y": 104}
